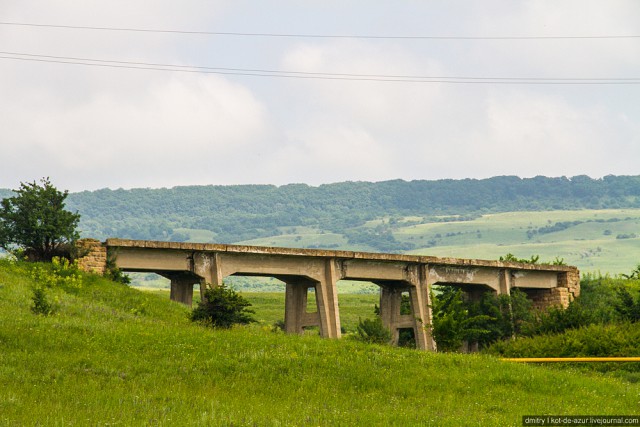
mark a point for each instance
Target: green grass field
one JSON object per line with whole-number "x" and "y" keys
{"x": 592, "y": 246}
{"x": 113, "y": 355}
{"x": 269, "y": 306}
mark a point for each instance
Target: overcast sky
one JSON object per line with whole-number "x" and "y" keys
{"x": 90, "y": 127}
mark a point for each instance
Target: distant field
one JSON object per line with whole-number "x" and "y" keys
{"x": 301, "y": 236}
{"x": 605, "y": 241}
{"x": 269, "y": 306}
{"x": 595, "y": 244}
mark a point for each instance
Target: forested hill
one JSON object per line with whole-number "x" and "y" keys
{"x": 242, "y": 212}
{"x": 236, "y": 213}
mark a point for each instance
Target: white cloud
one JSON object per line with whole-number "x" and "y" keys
{"x": 394, "y": 104}
{"x": 340, "y": 152}
{"x": 530, "y": 133}
{"x": 98, "y": 127}
{"x": 156, "y": 136}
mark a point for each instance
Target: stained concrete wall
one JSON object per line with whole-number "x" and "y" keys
{"x": 186, "y": 264}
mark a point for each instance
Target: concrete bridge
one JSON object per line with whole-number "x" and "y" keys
{"x": 186, "y": 264}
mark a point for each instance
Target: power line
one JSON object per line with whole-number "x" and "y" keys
{"x": 318, "y": 36}
{"x": 310, "y": 73}
{"x": 314, "y": 75}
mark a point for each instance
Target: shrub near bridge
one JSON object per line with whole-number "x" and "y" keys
{"x": 613, "y": 340}
{"x": 602, "y": 322}
{"x": 222, "y": 307}
{"x": 372, "y": 331}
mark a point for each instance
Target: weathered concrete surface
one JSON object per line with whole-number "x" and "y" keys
{"x": 301, "y": 269}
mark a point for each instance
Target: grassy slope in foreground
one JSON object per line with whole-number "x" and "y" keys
{"x": 114, "y": 355}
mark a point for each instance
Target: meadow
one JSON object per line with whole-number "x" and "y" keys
{"x": 110, "y": 354}
{"x": 597, "y": 242}
{"x": 605, "y": 240}
{"x": 269, "y": 306}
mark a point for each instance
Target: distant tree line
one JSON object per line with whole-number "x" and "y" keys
{"x": 242, "y": 212}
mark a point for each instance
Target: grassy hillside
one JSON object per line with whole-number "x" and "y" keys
{"x": 596, "y": 240}
{"x": 113, "y": 355}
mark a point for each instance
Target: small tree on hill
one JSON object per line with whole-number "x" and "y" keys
{"x": 453, "y": 324}
{"x": 222, "y": 307}
{"x": 35, "y": 221}
{"x": 627, "y": 307}
{"x": 373, "y": 331}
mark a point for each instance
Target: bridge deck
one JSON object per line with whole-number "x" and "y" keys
{"x": 325, "y": 253}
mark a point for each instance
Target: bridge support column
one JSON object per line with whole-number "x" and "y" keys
{"x": 421, "y": 309}
{"x": 206, "y": 265}
{"x": 326, "y": 316}
{"x": 390, "y": 302}
{"x": 296, "y": 317}
{"x": 182, "y": 290}
{"x": 182, "y": 287}
{"x": 327, "y": 301}
{"x": 505, "y": 282}
{"x": 420, "y": 318}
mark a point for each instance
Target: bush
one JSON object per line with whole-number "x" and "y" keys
{"x": 406, "y": 338}
{"x": 594, "y": 340}
{"x": 372, "y": 331}
{"x": 61, "y": 273}
{"x": 41, "y": 304}
{"x": 607, "y": 299}
{"x": 278, "y": 326}
{"x": 512, "y": 258}
{"x": 557, "y": 319}
{"x": 222, "y": 307}
{"x": 113, "y": 273}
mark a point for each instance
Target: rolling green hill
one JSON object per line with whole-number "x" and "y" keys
{"x": 591, "y": 223}
{"x": 112, "y": 355}
{"x": 606, "y": 241}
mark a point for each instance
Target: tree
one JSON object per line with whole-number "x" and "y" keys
{"x": 452, "y": 322}
{"x": 626, "y": 306}
{"x": 35, "y": 221}
{"x": 222, "y": 307}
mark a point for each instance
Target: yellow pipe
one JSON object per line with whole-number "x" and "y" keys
{"x": 572, "y": 359}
